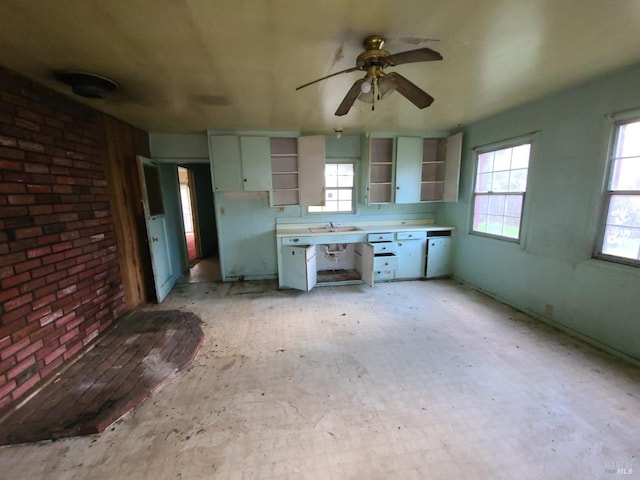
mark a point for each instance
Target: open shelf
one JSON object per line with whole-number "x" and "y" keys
{"x": 381, "y": 170}
{"x": 433, "y": 170}
{"x": 284, "y": 171}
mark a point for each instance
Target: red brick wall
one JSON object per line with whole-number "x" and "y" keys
{"x": 60, "y": 284}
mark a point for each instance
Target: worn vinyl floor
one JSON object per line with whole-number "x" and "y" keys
{"x": 408, "y": 380}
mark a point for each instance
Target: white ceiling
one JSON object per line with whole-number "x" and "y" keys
{"x": 192, "y": 65}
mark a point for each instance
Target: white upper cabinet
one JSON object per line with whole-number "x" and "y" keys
{"x": 416, "y": 170}
{"x": 408, "y": 169}
{"x": 381, "y": 173}
{"x": 256, "y": 163}
{"x": 297, "y": 170}
{"x": 452, "y": 168}
{"x": 284, "y": 171}
{"x": 226, "y": 167}
{"x": 311, "y": 159}
{"x": 240, "y": 163}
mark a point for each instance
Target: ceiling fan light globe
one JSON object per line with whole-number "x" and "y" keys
{"x": 366, "y": 97}
{"x": 386, "y": 87}
{"x": 365, "y": 87}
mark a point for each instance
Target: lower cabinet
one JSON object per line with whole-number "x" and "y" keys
{"x": 411, "y": 253}
{"x": 299, "y": 267}
{"x": 439, "y": 256}
{"x": 384, "y": 267}
{"x": 385, "y": 260}
{"x": 406, "y": 255}
{"x": 364, "y": 260}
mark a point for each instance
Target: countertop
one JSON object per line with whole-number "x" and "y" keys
{"x": 303, "y": 229}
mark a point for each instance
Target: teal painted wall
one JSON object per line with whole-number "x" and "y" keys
{"x": 177, "y": 148}
{"x": 553, "y": 266}
{"x": 246, "y": 235}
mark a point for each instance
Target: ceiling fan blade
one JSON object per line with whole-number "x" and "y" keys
{"x": 353, "y": 69}
{"x": 348, "y": 100}
{"x": 413, "y": 56}
{"x": 411, "y": 91}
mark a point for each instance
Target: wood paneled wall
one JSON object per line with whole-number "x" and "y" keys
{"x": 123, "y": 143}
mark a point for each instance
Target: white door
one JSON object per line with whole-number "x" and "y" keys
{"x": 452, "y": 168}
{"x": 438, "y": 257}
{"x": 364, "y": 262}
{"x": 411, "y": 257}
{"x": 299, "y": 267}
{"x": 256, "y": 163}
{"x": 408, "y": 169}
{"x": 156, "y": 221}
{"x": 311, "y": 160}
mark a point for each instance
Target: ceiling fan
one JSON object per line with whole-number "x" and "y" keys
{"x": 377, "y": 84}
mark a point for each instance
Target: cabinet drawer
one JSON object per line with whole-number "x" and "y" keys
{"x": 411, "y": 235}
{"x": 380, "y": 237}
{"x": 295, "y": 241}
{"x": 384, "y": 247}
{"x": 383, "y": 275}
{"x": 385, "y": 262}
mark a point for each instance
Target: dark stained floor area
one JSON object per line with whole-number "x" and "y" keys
{"x": 129, "y": 362}
{"x": 205, "y": 270}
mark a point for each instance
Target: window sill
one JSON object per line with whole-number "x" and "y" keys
{"x": 616, "y": 260}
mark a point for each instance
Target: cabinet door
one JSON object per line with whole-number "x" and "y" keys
{"x": 411, "y": 258}
{"x": 311, "y": 158}
{"x": 408, "y": 169}
{"x": 364, "y": 262}
{"x": 299, "y": 267}
{"x": 452, "y": 168}
{"x": 438, "y": 257}
{"x": 226, "y": 167}
{"x": 256, "y": 163}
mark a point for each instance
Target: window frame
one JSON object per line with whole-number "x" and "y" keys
{"x": 529, "y": 138}
{"x": 338, "y": 161}
{"x": 615, "y": 122}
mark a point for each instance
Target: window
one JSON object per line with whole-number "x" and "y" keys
{"x": 621, "y": 229}
{"x": 153, "y": 189}
{"x": 498, "y": 195}
{"x": 338, "y": 178}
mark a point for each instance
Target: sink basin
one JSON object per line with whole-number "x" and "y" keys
{"x": 333, "y": 229}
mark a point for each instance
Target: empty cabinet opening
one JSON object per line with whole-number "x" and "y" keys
{"x": 336, "y": 262}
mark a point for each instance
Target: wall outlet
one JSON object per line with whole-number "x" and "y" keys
{"x": 548, "y": 310}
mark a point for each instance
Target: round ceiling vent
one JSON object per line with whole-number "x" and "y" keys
{"x": 87, "y": 85}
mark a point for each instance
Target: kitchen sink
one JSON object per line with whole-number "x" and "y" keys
{"x": 333, "y": 229}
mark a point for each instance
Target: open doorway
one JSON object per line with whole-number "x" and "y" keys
{"x": 189, "y": 216}
{"x": 198, "y": 214}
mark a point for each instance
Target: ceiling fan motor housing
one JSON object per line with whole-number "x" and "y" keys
{"x": 372, "y": 57}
